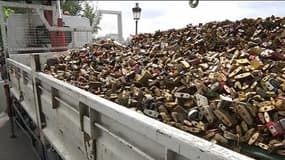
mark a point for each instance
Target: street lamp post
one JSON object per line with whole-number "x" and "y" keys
{"x": 137, "y": 14}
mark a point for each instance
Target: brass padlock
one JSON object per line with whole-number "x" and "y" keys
{"x": 253, "y": 138}
{"x": 244, "y": 114}
{"x": 224, "y": 117}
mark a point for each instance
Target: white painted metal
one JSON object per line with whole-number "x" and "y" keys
{"x": 119, "y": 21}
{"x": 22, "y": 32}
{"x": 25, "y": 5}
{"x": 81, "y": 125}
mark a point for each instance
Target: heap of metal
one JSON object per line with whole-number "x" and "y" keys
{"x": 224, "y": 81}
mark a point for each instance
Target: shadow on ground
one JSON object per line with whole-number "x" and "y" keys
{"x": 18, "y": 148}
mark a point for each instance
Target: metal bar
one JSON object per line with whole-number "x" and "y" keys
{"x": 27, "y": 134}
{"x": 35, "y": 49}
{"x": 120, "y": 29}
{"x": 43, "y": 89}
{"x": 65, "y": 104}
{"x": 169, "y": 155}
{"x": 25, "y": 5}
{"x": 109, "y": 12}
{"x": 31, "y": 132}
{"x": 136, "y": 27}
{"x": 10, "y": 109}
{"x": 123, "y": 141}
{"x": 19, "y": 65}
{"x": 35, "y": 66}
{"x": 55, "y": 28}
{"x": 25, "y": 124}
{"x": 3, "y": 31}
{"x": 58, "y": 8}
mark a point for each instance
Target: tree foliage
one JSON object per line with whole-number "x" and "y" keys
{"x": 94, "y": 18}
{"x": 7, "y": 12}
{"x": 74, "y": 7}
{"x": 84, "y": 9}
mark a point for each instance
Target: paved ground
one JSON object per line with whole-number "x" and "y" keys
{"x": 18, "y": 148}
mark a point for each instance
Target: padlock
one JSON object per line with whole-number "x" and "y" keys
{"x": 165, "y": 116}
{"x": 266, "y": 108}
{"x": 199, "y": 125}
{"x": 188, "y": 123}
{"x": 226, "y": 101}
{"x": 244, "y": 114}
{"x": 242, "y": 61}
{"x": 191, "y": 129}
{"x": 224, "y": 117}
{"x": 182, "y": 95}
{"x": 247, "y": 135}
{"x": 267, "y": 117}
{"x": 218, "y": 137}
{"x": 274, "y": 128}
{"x": 185, "y": 63}
{"x": 244, "y": 126}
{"x": 151, "y": 113}
{"x": 256, "y": 63}
{"x": 242, "y": 75}
{"x": 194, "y": 114}
{"x": 263, "y": 146}
{"x": 252, "y": 57}
{"x": 230, "y": 136}
{"x": 215, "y": 87}
{"x": 282, "y": 123}
{"x": 236, "y": 71}
{"x": 208, "y": 113}
{"x": 253, "y": 138}
{"x": 201, "y": 100}
{"x": 222, "y": 127}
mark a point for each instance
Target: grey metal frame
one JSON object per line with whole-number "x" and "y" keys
{"x": 119, "y": 19}
{"x": 39, "y": 10}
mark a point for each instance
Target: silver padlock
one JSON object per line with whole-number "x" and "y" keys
{"x": 222, "y": 127}
{"x": 151, "y": 113}
{"x": 182, "y": 95}
{"x": 201, "y": 100}
{"x": 194, "y": 114}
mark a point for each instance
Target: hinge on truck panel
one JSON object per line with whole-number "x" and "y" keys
{"x": 21, "y": 97}
{"x": 83, "y": 111}
{"x": 88, "y": 139}
{"x": 36, "y": 65}
{"x": 54, "y": 94}
{"x": 25, "y": 78}
{"x": 38, "y": 96}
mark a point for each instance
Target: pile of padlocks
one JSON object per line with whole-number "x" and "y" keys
{"x": 223, "y": 81}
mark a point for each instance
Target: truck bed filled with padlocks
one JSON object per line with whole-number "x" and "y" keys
{"x": 222, "y": 81}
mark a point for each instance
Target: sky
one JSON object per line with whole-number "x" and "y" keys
{"x": 164, "y": 15}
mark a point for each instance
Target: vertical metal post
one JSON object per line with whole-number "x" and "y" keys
{"x": 136, "y": 27}
{"x": 4, "y": 42}
{"x": 10, "y": 109}
{"x": 3, "y": 32}
{"x": 120, "y": 30}
{"x": 6, "y": 86}
{"x": 41, "y": 123}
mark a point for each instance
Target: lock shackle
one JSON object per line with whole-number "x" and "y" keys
{"x": 193, "y": 3}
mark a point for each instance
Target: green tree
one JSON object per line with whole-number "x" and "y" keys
{"x": 7, "y": 12}
{"x": 74, "y": 7}
{"x": 93, "y": 16}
